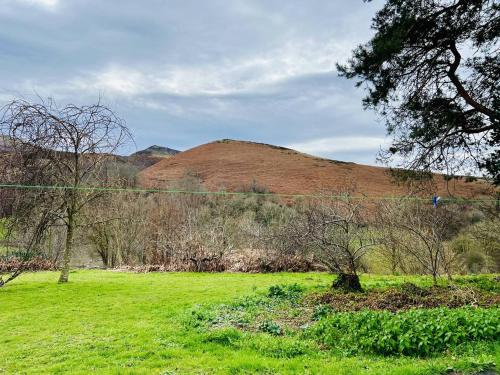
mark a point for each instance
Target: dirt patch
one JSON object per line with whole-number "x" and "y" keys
{"x": 407, "y": 297}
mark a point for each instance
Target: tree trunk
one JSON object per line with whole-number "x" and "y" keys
{"x": 68, "y": 249}
{"x": 347, "y": 282}
{"x": 11, "y": 277}
{"x": 393, "y": 264}
{"x": 434, "y": 278}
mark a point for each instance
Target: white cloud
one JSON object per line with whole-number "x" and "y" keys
{"x": 228, "y": 77}
{"x": 115, "y": 79}
{"x": 43, "y": 3}
{"x": 326, "y": 146}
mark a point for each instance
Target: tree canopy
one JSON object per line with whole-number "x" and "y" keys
{"x": 68, "y": 148}
{"x": 432, "y": 71}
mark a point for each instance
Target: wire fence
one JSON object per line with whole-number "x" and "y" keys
{"x": 457, "y": 200}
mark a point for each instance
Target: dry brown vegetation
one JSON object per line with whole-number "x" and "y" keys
{"x": 252, "y": 232}
{"x": 146, "y": 232}
{"x": 231, "y": 164}
{"x": 409, "y": 296}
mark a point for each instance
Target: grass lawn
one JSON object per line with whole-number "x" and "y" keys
{"x": 114, "y": 322}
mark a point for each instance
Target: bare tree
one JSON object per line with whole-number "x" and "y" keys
{"x": 62, "y": 147}
{"x": 123, "y": 227}
{"x": 390, "y": 249}
{"x": 186, "y": 234}
{"x": 337, "y": 232}
{"x": 424, "y": 230}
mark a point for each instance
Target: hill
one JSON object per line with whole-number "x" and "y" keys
{"x": 150, "y": 156}
{"x": 155, "y": 150}
{"x": 232, "y": 165}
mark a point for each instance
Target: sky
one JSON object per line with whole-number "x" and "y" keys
{"x": 186, "y": 72}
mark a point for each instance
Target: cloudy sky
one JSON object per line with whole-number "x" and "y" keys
{"x": 186, "y": 72}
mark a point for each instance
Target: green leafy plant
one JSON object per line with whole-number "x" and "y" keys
{"x": 292, "y": 291}
{"x": 321, "y": 311}
{"x": 484, "y": 282}
{"x": 415, "y": 332}
{"x": 271, "y": 327}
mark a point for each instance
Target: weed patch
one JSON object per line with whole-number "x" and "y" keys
{"x": 406, "y": 320}
{"x": 483, "y": 282}
{"x": 415, "y": 332}
{"x": 271, "y": 327}
{"x": 289, "y": 292}
{"x": 253, "y": 313}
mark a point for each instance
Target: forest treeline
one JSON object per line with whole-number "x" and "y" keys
{"x": 260, "y": 233}
{"x": 70, "y": 152}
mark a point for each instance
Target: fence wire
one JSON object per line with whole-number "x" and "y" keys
{"x": 457, "y": 200}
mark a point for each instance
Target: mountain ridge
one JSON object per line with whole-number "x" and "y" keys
{"x": 157, "y": 151}
{"x": 233, "y": 164}
{"x": 149, "y": 156}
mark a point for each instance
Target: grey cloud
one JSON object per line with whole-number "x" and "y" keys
{"x": 186, "y": 72}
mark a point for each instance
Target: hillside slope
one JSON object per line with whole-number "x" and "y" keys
{"x": 231, "y": 165}
{"x": 150, "y": 156}
{"x": 158, "y": 151}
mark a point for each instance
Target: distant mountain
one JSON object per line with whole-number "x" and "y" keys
{"x": 158, "y": 151}
{"x": 140, "y": 159}
{"x": 234, "y": 165}
{"x": 150, "y": 156}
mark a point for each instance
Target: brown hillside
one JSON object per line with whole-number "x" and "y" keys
{"x": 233, "y": 164}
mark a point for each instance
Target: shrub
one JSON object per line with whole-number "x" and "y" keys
{"x": 34, "y": 264}
{"x": 292, "y": 291}
{"x": 271, "y": 328}
{"x": 483, "y": 282}
{"x": 199, "y": 317}
{"x": 414, "y": 332}
{"x": 321, "y": 311}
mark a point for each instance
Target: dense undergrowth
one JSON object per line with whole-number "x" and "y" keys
{"x": 404, "y": 320}
{"x": 418, "y": 332}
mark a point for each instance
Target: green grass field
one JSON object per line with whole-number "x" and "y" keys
{"x": 125, "y": 323}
